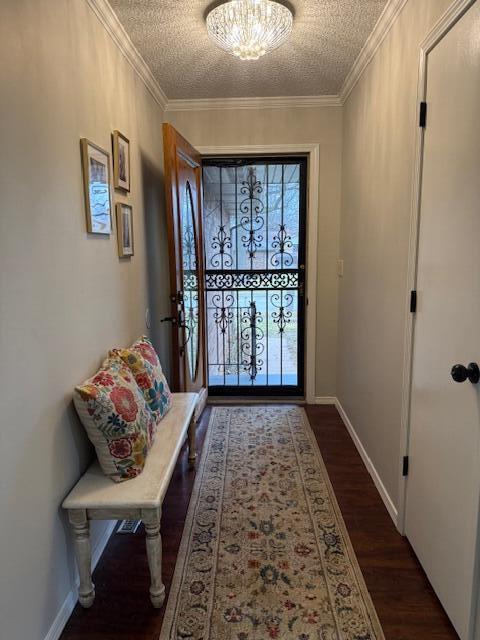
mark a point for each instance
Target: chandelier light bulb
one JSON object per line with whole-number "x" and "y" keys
{"x": 248, "y": 29}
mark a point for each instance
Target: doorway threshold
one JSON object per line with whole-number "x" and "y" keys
{"x": 256, "y": 400}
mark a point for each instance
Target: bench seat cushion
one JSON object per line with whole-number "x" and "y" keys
{"x": 95, "y": 491}
{"x": 117, "y": 419}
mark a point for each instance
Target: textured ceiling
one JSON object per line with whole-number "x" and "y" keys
{"x": 171, "y": 36}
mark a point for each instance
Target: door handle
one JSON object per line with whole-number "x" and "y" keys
{"x": 188, "y": 332}
{"x": 461, "y": 373}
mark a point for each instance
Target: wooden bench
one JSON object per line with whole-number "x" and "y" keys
{"x": 96, "y": 497}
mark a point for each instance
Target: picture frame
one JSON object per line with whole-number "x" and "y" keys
{"x": 96, "y": 187}
{"x": 121, "y": 162}
{"x": 125, "y": 230}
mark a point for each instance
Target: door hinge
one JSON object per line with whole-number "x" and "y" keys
{"x": 423, "y": 115}
{"x": 405, "y": 466}
{"x": 413, "y": 301}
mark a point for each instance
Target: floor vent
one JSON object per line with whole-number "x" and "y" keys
{"x": 128, "y": 526}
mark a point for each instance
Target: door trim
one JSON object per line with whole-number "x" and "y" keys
{"x": 453, "y": 14}
{"x": 313, "y": 180}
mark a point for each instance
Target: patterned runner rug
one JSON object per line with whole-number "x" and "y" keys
{"x": 265, "y": 553}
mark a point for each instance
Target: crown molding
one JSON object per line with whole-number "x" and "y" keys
{"x": 112, "y": 24}
{"x": 380, "y": 30}
{"x": 280, "y": 102}
{"x": 453, "y": 13}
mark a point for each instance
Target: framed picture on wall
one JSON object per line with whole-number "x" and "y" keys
{"x": 121, "y": 162}
{"x": 96, "y": 186}
{"x": 124, "y": 230}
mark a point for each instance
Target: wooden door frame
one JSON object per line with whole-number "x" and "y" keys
{"x": 453, "y": 14}
{"x": 312, "y": 151}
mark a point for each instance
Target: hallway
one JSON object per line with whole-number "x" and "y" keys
{"x": 240, "y": 201}
{"x": 406, "y": 605}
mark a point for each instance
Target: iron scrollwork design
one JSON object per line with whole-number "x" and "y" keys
{"x": 228, "y": 280}
{"x": 220, "y": 244}
{"x": 283, "y": 316}
{"x": 223, "y": 314}
{"x": 188, "y": 248}
{"x": 253, "y": 282}
{"x": 251, "y": 341}
{"x": 252, "y": 208}
{"x": 282, "y": 243}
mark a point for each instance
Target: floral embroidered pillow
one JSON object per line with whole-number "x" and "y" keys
{"x": 143, "y": 361}
{"x": 117, "y": 419}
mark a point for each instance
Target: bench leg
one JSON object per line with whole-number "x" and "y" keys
{"x": 83, "y": 556}
{"x": 151, "y": 520}
{"x": 192, "y": 445}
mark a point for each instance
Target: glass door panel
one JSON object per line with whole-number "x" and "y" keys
{"x": 190, "y": 282}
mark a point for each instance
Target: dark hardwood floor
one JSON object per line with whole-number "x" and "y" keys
{"x": 406, "y": 604}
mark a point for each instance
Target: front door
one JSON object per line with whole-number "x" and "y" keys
{"x": 254, "y": 221}
{"x": 443, "y": 488}
{"x": 183, "y": 187}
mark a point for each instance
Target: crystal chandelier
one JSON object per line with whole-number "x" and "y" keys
{"x": 249, "y": 29}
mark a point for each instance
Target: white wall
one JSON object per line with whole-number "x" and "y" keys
{"x": 378, "y": 152}
{"x": 321, "y": 125}
{"x": 65, "y": 297}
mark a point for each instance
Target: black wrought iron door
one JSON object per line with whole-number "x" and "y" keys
{"x": 254, "y": 230}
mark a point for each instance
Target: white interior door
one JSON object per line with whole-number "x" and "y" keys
{"x": 444, "y": 477}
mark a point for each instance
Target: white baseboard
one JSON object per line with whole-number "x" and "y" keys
{"x": 62, "y": 616}
{"x": 68, "y": 606}
{"x": 369, "y": 464}
{"x": 325, "y": 400}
